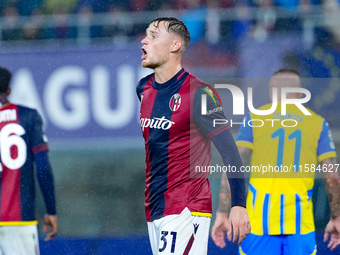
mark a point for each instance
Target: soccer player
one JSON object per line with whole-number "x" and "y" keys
{"x": 177, "y": 141}
{"x": 22, "y": 142}
{"x": 279, "y": 204}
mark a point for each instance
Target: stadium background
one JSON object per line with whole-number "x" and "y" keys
{"x": 78, "y": 62}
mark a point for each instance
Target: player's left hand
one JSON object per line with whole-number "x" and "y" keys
{"x": 219, "y": 229}
{"x": 333, "y": 230}
{"x": 239, "y": 224}
{"x": 52, "y": 222}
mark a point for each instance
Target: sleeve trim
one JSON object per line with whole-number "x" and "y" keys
{"x": 39, "y": 148}
{"x": 331, "y": 154}
{"x": 246, "y": 144}
{"x": 217, "y": 131}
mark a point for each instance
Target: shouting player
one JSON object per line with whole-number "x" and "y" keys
{"x": 178, "y": 138}
{"x": 22, "y": 142}
{"x": 280, "y": 209}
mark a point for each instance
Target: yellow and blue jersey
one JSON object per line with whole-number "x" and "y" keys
{"x": 279, "y": 202}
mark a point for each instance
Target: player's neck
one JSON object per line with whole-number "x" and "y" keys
{"x": 165, "y": 72}
{"x": 3, "y": 100}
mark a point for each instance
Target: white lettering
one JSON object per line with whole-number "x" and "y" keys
{"x": 8, "y": 115}
{"x": 238, "y": 98}
{"x": 24, "y": 92}
{"x": 124, "y": 97}
{"x": 298, "y": 102}
{"x": 219, "y": 122}
{"x": 77, "y": 115}
{"x": 250, "y": 123}
{"x": 295, "y": 122}
{"x": 261, "y": 112}
{"x": 157, "y": 123}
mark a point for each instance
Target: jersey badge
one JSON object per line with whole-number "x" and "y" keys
{"x": 175, "y": 102}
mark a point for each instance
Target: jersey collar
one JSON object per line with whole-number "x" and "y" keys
{"x": 159, "y": 86}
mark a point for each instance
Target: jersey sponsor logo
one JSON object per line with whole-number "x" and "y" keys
{"x": 175, "y": 102}
{"x": 157, "y": 123}
{"x": 217, "y": 109}
{"x": 8, "y": 115}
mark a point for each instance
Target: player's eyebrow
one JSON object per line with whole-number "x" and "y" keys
{"x": 148, "y": 31}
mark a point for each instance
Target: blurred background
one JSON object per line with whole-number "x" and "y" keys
{"x": 78, "y": 63}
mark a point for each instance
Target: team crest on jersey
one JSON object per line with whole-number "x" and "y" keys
{"x": 175, "y": 102}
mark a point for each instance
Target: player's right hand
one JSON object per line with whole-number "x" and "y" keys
{"x": 219, "y": 229}
{"x": 50, "y": 221}
{"x": 333, "y": 230}
{"x": 239, "y": 222}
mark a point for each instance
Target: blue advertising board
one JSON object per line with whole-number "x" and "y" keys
{"x": 81, "y": 93}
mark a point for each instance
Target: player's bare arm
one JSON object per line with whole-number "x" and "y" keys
{"x": 50, "y": 226}
{"x": 244, "y": 152}
{"x": 224, "y": 196}
{"x": 332, "y": 180}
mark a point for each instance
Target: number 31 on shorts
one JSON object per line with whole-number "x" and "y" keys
{"x": 168, "y": 239}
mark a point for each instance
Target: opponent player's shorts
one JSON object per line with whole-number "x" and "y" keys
{"x": 296, "y": 244}
{"x": 19, "y": 240}
{"x": 179, "y": 234}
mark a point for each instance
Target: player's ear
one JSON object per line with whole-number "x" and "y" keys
{"x": 9, "y": 90}
{"x": 176, "y": 46}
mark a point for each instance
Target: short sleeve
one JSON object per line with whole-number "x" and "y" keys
{"x": 208, "y": 112}
{"x": 245, "y": 134}
{"x": 326, "y": 147}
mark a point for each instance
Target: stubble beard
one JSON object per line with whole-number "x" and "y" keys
{"x": 150, "y": 65}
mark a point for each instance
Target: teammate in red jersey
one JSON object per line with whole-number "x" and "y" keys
{"x": 22, "y": 142}
{"x": 177, "y": 143}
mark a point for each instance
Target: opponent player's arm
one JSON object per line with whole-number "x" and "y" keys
{"x": 332, "y": 181}
{"x": 224, "y": 199}
{"x": 244, "y": 152}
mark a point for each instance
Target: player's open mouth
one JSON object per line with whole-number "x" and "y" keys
{"x": 144, "y": 54}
